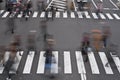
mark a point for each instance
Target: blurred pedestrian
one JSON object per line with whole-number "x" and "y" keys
{"x": 2, "y": 53}
{"x": 100, "y": 7}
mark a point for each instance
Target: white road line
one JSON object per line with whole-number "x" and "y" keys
{"x": 80, "y": 15}
{"x": 93, "y": 63}
{"x": 80, "y": 63}
{"x": 54, "y": 66}
{"x": 83, "y": 76}
{"x": 109, "y": 16}
{"x": 35, "y": 14}
{"x": 117, "y": 61}
{"x": 102, "y": 16}
{"x": 116, "y": 16}
{"x": 95, "y": 16}
{"x": 28, "y": 64}
{"x": 42, "y": 15}
{"x": 5, "y": 59}
{"x": 87, "y": 14}
{"x": 94, "y": 4}
{"x": 114, "y": 4}
{"x": 1, "y": 11}
{"x": 20, "y": 15}
{"x": 5, "y": 14}
{"x": 74, "y": 5}
{"x": 50, "y": 14}
{"x": 65, "y": 14}
{"x": 57, "y": 15}
{"x": 104, "y": 60}
{"x": 12, "y": 15}
{"x": 41, "y": 63}
{"x": 72, "y": 15}
{"x": 16, "y": 65}
{"x": 67, "y": 63}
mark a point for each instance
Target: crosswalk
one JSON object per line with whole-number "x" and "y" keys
{"x": 64, "y": 15}
{"x": 67, "y": 62}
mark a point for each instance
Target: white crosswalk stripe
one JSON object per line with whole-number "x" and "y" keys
{"x": 87, "y": 14}
{"x": 67, "y": 63}
{"x": 19, "y": 15}
{"x": 116, "y": 16}
{"x": 1, "y": 11}
{"x": 35, "y": 14}
{"x": 80, "y": 15}
{"x": 102, "y": 16}
{"x": 65, "y": 14}
{"x": 95, "y": 16}
{"x": 42, "y": 15}
{"x": 5, "y": 14}
{"x": 49, "y": 14}
{"x": 57, "y": 15}
{"x": 67, "y": 68}
{"x": 29, "y": 62}
{"x": 109, "y": 16}
{"x": 104, "y": 60}
{"x": 72, "y": 15}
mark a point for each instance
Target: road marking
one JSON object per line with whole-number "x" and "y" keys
{"x": 5, "y": 14}
{"x": 95, "y": 15}
{"x": 20, "y": 15}
{"x": 54, "y": 66}
{"x": 42, "y": 15}
{"x": 72, "y": 15}
{"x": 16, "y": 65}
{"x": 102, "y": 16}
{"x": 1, "y": 11}
{"x": 109, "y": 16}
{"x": 35, "y": 14}
{"x": 57, "y": 15}
{"x": 93, "y": 63}
{"x": 65, "y": 14}
{"x": 28, "y": 64}
{"x": 116, "y": 59}
{"x": 94, "y": 4}
{"x": 67, "y": 63}
{"x": 116, "y": 16}
{"x": 80, "y": 63}
{"x": 87, "y": 14}
{"x": 41, "y": 63}
{"x": 104, "y": 60}
{"x": 50, "y": 14}
{"x": 79, "y": 15}
{"x": 114, "y": 4}
{"x": 83, "y": 76}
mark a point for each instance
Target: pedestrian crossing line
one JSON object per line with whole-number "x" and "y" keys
{"x": 12, "y": 15}
{"x": 116, "y": 16}
{"x": 72, "y": 15}
{"x": 80, "y": 63}
{"x": 28, "y": 64}
{"x": 5, "y": 14}
{"x": 35, "y": 14}
{"x": 67, "y": 63}
{"x": 57, "y": 15}
{"x": 104, "y": 60}
{"x": 17, "y": 59}
{"x": 116, "y": 59}
{"x": 93, "y": 63}
{"x": 1, "y": 11}
{"x": 79, "y": 15}
{"x": 65, "y": 14}
{"x": 109, "y": 16}
{"x": 87, "y": 14}
{"x": 41, "y": 63}
{"x": 102, "y": 16}
{"x": 49, "y": 14}
{"x": 6, "y": 57}
{"x": 19, "y": 15}
{"x": 42, "y": 15}
{"x": 54, "y": 65}
{"x": 83, "y": 76}
{"x": 94, "y": 15}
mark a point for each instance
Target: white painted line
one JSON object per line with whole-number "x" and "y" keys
{"x": 80, "y": 63}
{"x": 116, "y": 59}
{"x": 1, "y": 11}
{"x": 41, "y": 63}
{"x": 87, "y": 14}
{"x": 20, "y": 15}
{"x": 109, "y": 16}
{"x": 104, "y": 60}
{"x": 95, "y": 16}
{"x": 79, "y": 15}
{"x": 57, "y": 15}
{"x": 18, "y": 59}
{"x": 54, "y": 66}
{"x": 93, "y": 63}
{"x": 114, "y": 4}
{"x": 74, "y": 5}
{"x": 83, "y": 76}
{"x": 94, "y": 4}
{"x": 50, "y": 14}
{"x": 65, "y": 14}
{"x": 35, "y": 14}
{"x": 72, "y": 15}
{"x": 102, "y": 16}
{"x": 67, "y": 63}
{"x": 6, "y": 57}
{"x": 28, "y": 64}
{"x": 42, "y": 15}
{"x": 5, "y": 14}
{"x": 116, "y": 16}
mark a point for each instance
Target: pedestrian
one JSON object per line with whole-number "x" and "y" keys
{"x": 72, "y": 6}
{"x": 100, "y": 7}
{"x": 53, "y": 12}
{"x": 2, "y": 53}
